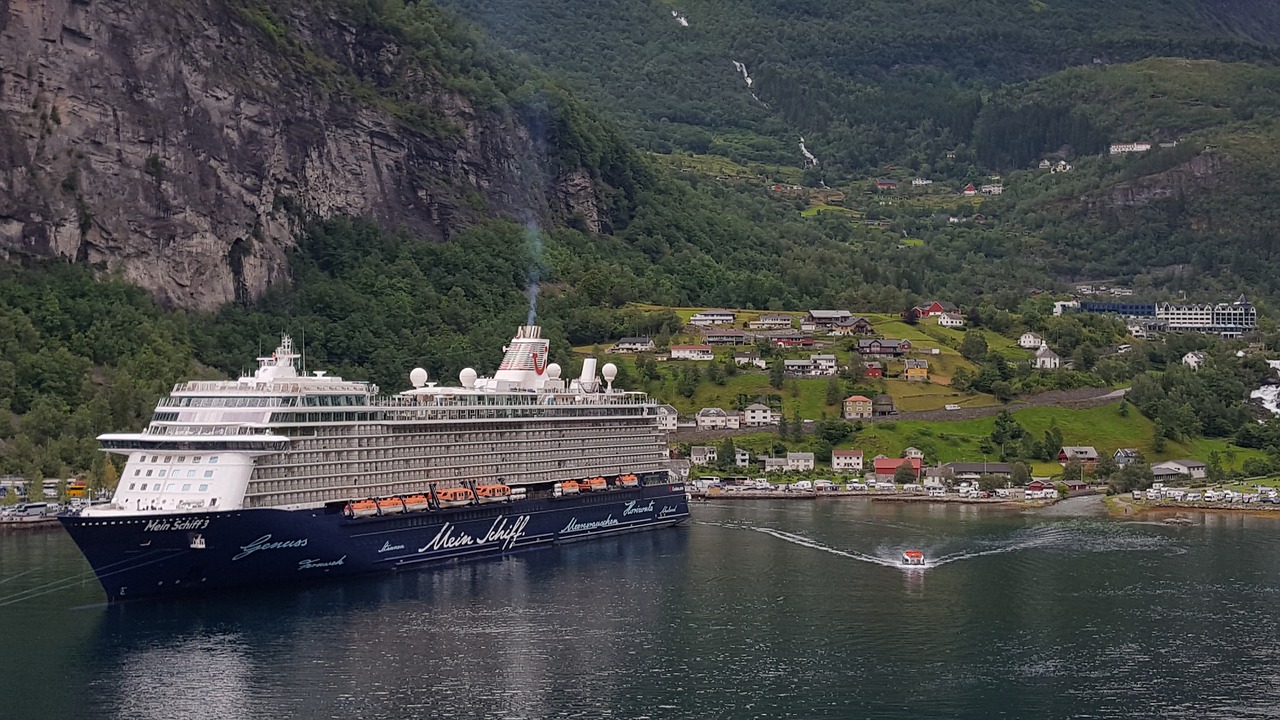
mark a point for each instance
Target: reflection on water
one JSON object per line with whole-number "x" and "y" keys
{"x": 757, "y": 610}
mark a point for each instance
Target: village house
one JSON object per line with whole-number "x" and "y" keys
{"x": 1124, "y": 456}
{"x": 702, "y": 454}
{"x": 935, "y": 307}
{"x": 668, "y": 416}
{"x": 969, "y": 190}
{"x": 1193, "y": 469}
{"x": 775, "y": 465}
{"x": 857, "y": 407}
{"x": 726, "y": 336}
{"x": 749, "y": 358}
{"x": 917, "y": 370}
{"x": 971, "y": 471}
{"x": 852, "y": 326}
{"x": 800, "y": 461}
{"x": 633, "y": 345}
{"x": 758, "y": 415}
{"x": 913, "y": 452}
{"x": 815, "y": 366}
{"x": 993, "y": 189}
{"x": 692, "y": 352}
{"x": 741, "y": 457}
{"x": 717, "y": 419}
{"x": 792, "y": 340}
{"x": 771, "y": 322}
{"x": 886, "y": 184}
{"x": 827, "y": 318}
{"x": 1075, "y": 484}
{"x": 882, "y": 347}
{"x": 1086, "y": 454}
{"x": 1136, "y": 331}
{"x": 680, "y": 468}
{"x": 1045, "y": 165}
{"x": 1039, "y": 485}
{"x": 1193, "y": 360}
{"x": 1030, "y": 341}
{"x": 951, "y": 320}
{"x": 882, "y": 405}
{"x": 886, "y": 467}
{"x": 713, "y": 317}
{"x": 1047, "y": 359}
{"x": 1132, "y": 147}
{"x": 849, "y": 461}
{"x": 873, "y": 370}
{"x": 921, "y": 182}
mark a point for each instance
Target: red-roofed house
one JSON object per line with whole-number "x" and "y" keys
{"x": 936, "y": 307}
{"x": 857, "y": 407}
{"x": 969, "y": 190}
{"x": 873, "y": 370}
{"x": 886, "y": 467}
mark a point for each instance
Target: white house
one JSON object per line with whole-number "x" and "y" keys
{"x": 1193, "y": 360}
{"x": 1133, "y": 147}
{"x": 692, "y": 352}
{"x": 741, "y": 457}
{"x": 1047, "y": 359}
{"x": 912, "y": 452}
{"x": 749, "y": 358}
{"x": 1193, "y": 469}
{"x": 1062, "y": 306}
{"x": 816, "y": 365}
{"x": 667, "y": 418}
{"x": 993, "y": 189}
{"x": 1030, "y": 341}
{"x": 702, "y": 454}
{"x": 1124, "y": 456}
{"x": 1136, "y": 330}
{"x": 951, "y": 320}
{"x": 713, "y": 317}
{"x": 633, "y": 345}
{"x": 799, "y": 461}
{"x": 775, "y": 464}
{"x": 717, "y": 419}
{"x": 757, "y": 415}
{"x": 771, "y": 322}
{"x": 846, "y": 460}
{"x": 921, "y": 182}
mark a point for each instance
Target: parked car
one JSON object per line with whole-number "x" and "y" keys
{"x": 824, "y": 486}
{"x": 951, "y": 406}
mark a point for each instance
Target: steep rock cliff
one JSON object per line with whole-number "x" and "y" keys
{"x": 183, "y": 143}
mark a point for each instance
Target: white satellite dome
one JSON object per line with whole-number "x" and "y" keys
{"x": 418, "y": 377}
{"x": 468, "y": 377}
{"x": 609, "y": 372}
{"x": 553, "y": 371}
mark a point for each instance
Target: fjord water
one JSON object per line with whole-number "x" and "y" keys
{"x": 756, "y": 610}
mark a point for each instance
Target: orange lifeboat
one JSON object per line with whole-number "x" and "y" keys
{"x": 455, "y": 496}
{"x": 568, "y": 487}
{"x": 390, "y": 506}
{"x": 362, "y": 508}
{"x": 492, "y": 493}
{"x": 414, "y": 503}
{"x": 595, "y": 484}
{"x": 628, "y": 481}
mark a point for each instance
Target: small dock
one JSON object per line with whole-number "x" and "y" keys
{"x": 13, "y": 525}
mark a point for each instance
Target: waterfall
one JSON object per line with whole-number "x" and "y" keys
{"x": 809, "y": 159}
{"x": 742, "y": 68}
{"x": 680, "y": 18}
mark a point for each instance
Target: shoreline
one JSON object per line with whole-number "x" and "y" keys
{"x": 15, "y": 526}
{"x": 1121, "y": 507}
{"x": 880, "y": 497}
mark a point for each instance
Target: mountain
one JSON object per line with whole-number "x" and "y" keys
{"x": 186, "y": 145}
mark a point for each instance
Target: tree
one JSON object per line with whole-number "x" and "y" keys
{"x": 974, "y": 346}
{"x": 64, "y": 493}
{"x": 1106, "y": 467}
{"x": 905, "y": 473}
{"x": 911, "y": 317}
{"x": 1074, "y": 470}
{"x": 725, "y": 453}
{"x": 1021, "y": 474}
{"x": 776, "y": 374}
{"x": 784, "y": 429}
{"x": 834, "y": 394}
{"x": 715, "y": 373}
{"x": 1123, "y": 409}
{"x": 989, "y": 482}
{"x": 1052, "y": 443}
{"x": 10, "y": 496}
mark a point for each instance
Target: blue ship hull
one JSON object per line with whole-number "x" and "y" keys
{"x": 156, "y": 555}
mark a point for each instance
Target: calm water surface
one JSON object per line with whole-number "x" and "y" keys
{"x": 757, "y": 610}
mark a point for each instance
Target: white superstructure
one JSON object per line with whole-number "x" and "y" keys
{"x": 278, "y": 439}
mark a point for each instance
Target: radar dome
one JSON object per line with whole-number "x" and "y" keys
{"x": 609, "y": 372}
{"x": 418, "y": 377}
{"x": 468, "y": 377}
{"x": 553, "y": 371}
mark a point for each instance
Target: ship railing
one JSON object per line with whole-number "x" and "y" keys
{"x": 511, "y": 400}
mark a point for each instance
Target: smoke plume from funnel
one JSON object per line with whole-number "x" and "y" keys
{"x": 533, "y": 238}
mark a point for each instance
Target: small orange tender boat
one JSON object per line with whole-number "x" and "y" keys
{"x": 455, "y": 496}
{"x": 912, "y": 557}
{"x": 628, "y": 481}
{"x": 414, "y": 503}
{"x": 492, "y": 493}
{"x": 595, "y": 484}
{"x": 569, "y": 487}
{"x": 390, "y": 506}
{"x": 362, "y": 508}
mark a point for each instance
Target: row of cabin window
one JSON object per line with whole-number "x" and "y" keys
{"x": 186, "y": 487}
{"x": 181, "y": 459}
{"x": 161, "y": 473}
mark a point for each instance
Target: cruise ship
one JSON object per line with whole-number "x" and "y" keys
{"x": 283, "y": 476}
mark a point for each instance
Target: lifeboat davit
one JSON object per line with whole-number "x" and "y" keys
{"x": 493, "y": 493}
{"x": 628, "y": 481}
{"x": 413, "y": 503}
{"x": 912, "y": 557}
{"x": 455, "y": 496}
{"x": 362, "y": 508}
{"x": 595, "y": 484}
